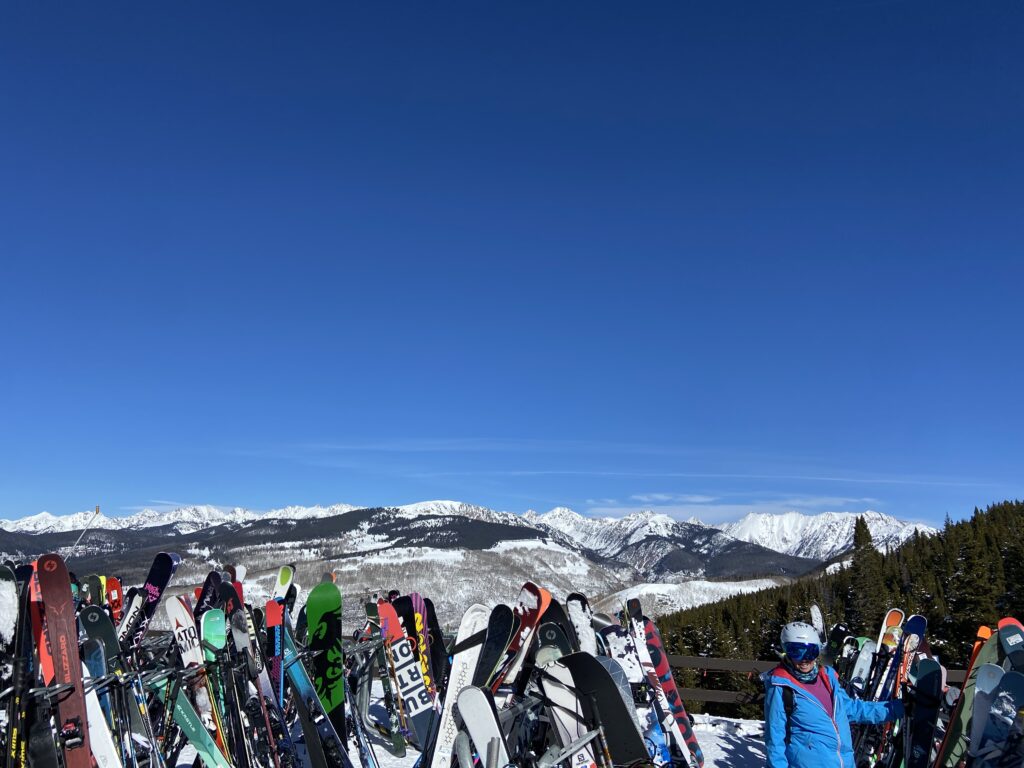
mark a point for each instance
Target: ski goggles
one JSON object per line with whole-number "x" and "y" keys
{"x": 802, "y": 651}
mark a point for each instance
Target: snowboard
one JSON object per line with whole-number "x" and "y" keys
{"x": 920, "y": 729}
{"x": 324, "y": 638}
{"x": 602, "y": 704}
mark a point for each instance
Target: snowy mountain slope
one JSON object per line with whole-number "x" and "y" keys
{"x": 604, "y": 535}
{"x": 658, "y": 599}
{"x": 822, "y": 536}
{"x": 659, "y": 547}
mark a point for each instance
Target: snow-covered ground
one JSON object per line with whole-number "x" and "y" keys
{"x": 730, "y": 743}
{"x": 725, "y": 742}
{"x": 659, "y": 599}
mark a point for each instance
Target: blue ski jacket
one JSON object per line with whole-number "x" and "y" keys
{"x": 813, "y": 739}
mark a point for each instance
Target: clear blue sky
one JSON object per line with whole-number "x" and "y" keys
{"x": 701, "y": 256}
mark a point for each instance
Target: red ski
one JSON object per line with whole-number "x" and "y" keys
{"x": 61, "y": 636}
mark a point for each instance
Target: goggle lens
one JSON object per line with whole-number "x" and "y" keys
{"x": 802, "y": 651}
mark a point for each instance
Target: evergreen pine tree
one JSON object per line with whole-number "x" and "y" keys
{"x": 867, "y": 593}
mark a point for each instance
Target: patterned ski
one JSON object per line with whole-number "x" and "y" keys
{"x": 61, "y": 635}
{"x": 656, "y": 648}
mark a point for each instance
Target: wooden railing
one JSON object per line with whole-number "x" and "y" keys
{"x": 743, "y": 666}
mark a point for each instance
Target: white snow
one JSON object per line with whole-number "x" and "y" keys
{"x": 508, "y": 546}
{"x": 606, "y": 535}
{"x": 821, "y": 536}
{"x": 725, "y": 742}
{"x": 836, "y": 567}
{"x": 8, "y": 611}
{"x": 658, "y": 599}
{"x": 728, "y": 742}
{"x": 404, "y": 555}
{"x": 527, "y": 601}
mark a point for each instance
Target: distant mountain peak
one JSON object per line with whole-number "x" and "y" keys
{"x": 821, "y": 536}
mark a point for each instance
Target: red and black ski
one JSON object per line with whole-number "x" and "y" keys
{"x": 61, "y": 636}
{"x": 668, "y": 684}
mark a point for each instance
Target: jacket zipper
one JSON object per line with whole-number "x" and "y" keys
{"x": 831, "y": 719}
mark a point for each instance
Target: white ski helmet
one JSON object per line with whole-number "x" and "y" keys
{"x": 799, "y": 632}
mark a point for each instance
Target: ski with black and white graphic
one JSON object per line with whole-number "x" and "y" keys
{"x": 139, "y": 612}
{"x": 661, "y": 705}
{"x": 186, "y": 634}
{"x": 622, "y": 648}
{"x": 466, "y": 653}
{"x": 414, "y": 699}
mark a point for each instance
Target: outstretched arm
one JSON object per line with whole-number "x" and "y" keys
{"x": 871, "y": 711}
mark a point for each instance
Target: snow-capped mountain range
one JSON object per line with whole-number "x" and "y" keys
{"x": 457, "y": 552}
{"x": 823, "y": 536}
{"x": 819, "y": 537}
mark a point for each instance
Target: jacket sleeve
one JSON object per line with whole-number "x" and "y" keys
{"x": 870, "y": 711}
{"x": 775, "y": 728}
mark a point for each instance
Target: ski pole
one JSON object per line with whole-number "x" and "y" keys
{"x": 74, "y": 547}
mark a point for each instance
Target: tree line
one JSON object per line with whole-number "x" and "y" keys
{"x": 970, "y": 573}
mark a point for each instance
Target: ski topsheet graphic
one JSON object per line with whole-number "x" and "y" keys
{"x": 61, "y": 636}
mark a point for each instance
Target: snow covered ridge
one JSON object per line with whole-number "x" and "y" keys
{"x": 822, "y": 536}
{"x": 655, "y": 545}
{"x": 635, "y": 539}
{"x": 189, "y": 519}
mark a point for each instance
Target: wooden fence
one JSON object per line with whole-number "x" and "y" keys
{"x": 742, "y": 666}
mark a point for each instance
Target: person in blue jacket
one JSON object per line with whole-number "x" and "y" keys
{"x": 807, "y": 714}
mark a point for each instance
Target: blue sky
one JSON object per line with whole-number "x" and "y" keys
{"x": 699, "y": 257}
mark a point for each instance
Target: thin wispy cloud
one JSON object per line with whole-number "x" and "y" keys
{"x": 158, "y": 505}
{"x": 868, "y": 480}
{"x": 463, "y": 445}
{"x": 664, "y": 498}
{"x": 164, "y": 505}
